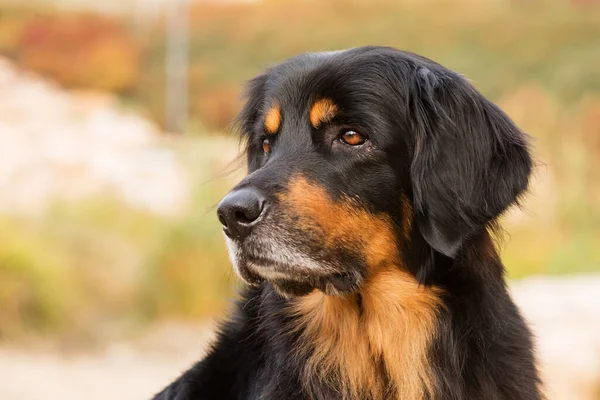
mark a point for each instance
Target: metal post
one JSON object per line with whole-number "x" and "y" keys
{"x": 176, "y": 66}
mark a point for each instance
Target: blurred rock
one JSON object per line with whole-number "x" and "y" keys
{"x": 69, "y": 146}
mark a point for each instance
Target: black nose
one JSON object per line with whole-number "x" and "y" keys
{"x": 239, "y": 211}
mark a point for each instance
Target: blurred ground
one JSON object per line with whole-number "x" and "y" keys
{"x": 134, "y": 369}
{"x": 563, "y": 312}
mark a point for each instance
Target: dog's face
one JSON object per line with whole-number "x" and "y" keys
{"x": 364, "y": 159}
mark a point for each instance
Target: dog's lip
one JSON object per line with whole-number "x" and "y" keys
{"x": 248, "y": 274}
{"x": 262, "y": 261}
{"x": 267, "y": 269}
{"x": 250, "y": 253}
{"x": 254, "y": 269}
{"x": 256, "y": 264}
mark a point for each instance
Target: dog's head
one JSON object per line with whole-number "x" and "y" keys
{"x": 362, "y": 159}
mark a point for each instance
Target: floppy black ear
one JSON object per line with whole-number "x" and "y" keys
{"x": 470, "y": 161}
{"x": 246, "y": 120}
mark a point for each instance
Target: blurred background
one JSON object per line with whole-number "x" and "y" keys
{"x": 115, "y": 149}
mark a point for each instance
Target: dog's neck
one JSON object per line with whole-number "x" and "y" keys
{"x": 374, "y": 344}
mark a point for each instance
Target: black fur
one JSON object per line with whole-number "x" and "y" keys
{"x": 434, "y": 139}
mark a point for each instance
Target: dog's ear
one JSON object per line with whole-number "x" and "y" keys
{"x": 247, "y": 119}
{"x": 470, "y": 161}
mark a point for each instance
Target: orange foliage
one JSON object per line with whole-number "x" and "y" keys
{"x": 81, "y": 50}
{"x": 217, "y": 106}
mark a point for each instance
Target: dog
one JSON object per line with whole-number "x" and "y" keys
{"x": 365, "y": 233}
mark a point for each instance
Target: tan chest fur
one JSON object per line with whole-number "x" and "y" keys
{"x": 376, "y": 349}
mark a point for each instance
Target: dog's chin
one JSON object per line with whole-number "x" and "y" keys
{"x": 293, "y": 281}
{"x": 336, "y": 285}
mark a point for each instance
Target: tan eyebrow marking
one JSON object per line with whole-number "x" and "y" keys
{"x": 323, "y": 110}
{"x": 273, "y": 119}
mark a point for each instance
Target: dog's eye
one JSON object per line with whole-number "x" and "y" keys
{"x": 266, "y": 145}
{"x": 352, "y": 138}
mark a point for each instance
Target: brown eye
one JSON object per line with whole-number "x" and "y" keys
{"x": 352, "y": 138}
{"x": 266, "y": 144}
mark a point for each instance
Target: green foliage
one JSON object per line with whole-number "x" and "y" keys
{"x": 72, "y": 270}
{"x": 187, "y": 274}
{"x": 97, "y": 267}
{"x": 34, "y": 282}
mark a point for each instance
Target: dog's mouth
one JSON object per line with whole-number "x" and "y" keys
{"x": 290, "y": 271}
